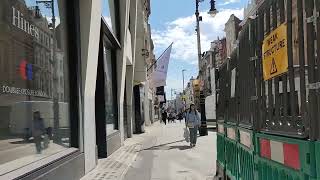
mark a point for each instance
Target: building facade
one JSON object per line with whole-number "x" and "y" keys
{"x": 220, "y": 51}
{"x": 189, "y": 95}
{"x": 144, "y": 65}
{"x": 68, "y": 70}
{"x": 232, "y": 28}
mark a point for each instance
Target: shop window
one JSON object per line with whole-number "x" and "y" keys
{"x": 33, "y": 123}
{"x": 110, "y": 93}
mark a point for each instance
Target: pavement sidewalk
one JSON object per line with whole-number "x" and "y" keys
{"x": 160, "y": 154}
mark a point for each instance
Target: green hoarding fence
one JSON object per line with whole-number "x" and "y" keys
{"x": 221, "y": 150}
{"x": 246, "y": 154}
{"x": 232, "y": 166}
{"x": 317, "y": 152}
{"x": 270, "y": 170}
{"x": 221, "y": 145}
{"x": 231, "y": 150}
{"x": 284, "y": 158}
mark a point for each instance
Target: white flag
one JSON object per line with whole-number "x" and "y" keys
{"x": 159, "y": 76}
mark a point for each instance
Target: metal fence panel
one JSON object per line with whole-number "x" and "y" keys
{"x": 287, "y": 104}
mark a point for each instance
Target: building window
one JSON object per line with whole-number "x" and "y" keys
{"x": 110, "y": 93}
{"x": 106, "y": 6}
{"x": 30, "y": 126}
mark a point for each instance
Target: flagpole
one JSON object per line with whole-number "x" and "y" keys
{"x": 159, "y": 57}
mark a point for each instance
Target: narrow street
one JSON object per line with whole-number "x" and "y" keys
{"x": 160, "y": 154}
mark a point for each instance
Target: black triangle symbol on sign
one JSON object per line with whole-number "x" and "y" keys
{"x": 273, "y": 67}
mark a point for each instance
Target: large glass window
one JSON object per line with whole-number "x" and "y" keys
{"x": 34, "y": 119}
{"x": 110, "y": 94}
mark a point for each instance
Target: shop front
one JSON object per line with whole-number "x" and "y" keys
{"x": 38, "y": 90}
{"x": 108, "y": 137}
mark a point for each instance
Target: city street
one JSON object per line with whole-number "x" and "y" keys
{"x": 160, "y": 154}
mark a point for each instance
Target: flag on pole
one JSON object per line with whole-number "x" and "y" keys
{"x": 159, "y": 76}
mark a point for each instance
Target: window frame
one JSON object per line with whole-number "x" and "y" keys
{"x": 108, "y": 39}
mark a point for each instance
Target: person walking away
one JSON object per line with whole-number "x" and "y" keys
{"x": 193, "y": 123}
{"x": 174, "y": 114}
{"x": 180, "y": 116}
{"x": 170, "y": 118}
{"x": 38, "y": 130}
{"x": 164, "y": 116}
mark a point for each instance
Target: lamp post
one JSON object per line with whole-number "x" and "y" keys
{"x": 213, "y": 11}
{"x": 183, "y": 79}
{"x": 183, "y": 93}
{"x": 172, "y": 90}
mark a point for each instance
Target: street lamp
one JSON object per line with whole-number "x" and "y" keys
{"x": 183, "y": 92}
{"x": 183, "y": 79}
{"x": 172, "y": 90}
{"x": 213, "y": 11}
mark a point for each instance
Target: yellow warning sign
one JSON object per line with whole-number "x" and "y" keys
{"x": 273, "y": 67}
{"x": 275, "y": 53}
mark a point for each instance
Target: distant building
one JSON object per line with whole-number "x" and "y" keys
{"x": 219, "y": 48}
{"x": 179, "y": 102}
{"x": 232, "y": 28}
{"x": 189, "y": 94}
{"x": 250, "y": 8}
{"x": 207, "y": 64}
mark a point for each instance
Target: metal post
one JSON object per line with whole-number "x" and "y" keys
{"x": 183, "y": 79}
{"x": 183, "y": 92}
{"x": 203, "y": 129}
{"x": 198, "y": 35}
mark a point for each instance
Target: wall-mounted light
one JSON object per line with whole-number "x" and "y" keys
{"x": 145, "y": 52}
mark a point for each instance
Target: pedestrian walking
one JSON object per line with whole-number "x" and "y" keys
{"x": 164, "y": 116}
{"x": 38, "y": 130}
{"x": 180, "y": 116}
{"x": 193, "y": 122}
{"x": 171, "y": 117}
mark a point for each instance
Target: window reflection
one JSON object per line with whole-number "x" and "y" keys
{"x": 106, "y": 4}
{"x": 110, "y": 94}
{"x": 34, "y": 112}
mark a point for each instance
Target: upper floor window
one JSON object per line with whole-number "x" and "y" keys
{"x": 106, "y": 12}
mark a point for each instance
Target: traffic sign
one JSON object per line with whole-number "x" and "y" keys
{"x": 275, "y": 53}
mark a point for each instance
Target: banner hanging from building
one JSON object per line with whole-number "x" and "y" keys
{"x": 159, "y": 76}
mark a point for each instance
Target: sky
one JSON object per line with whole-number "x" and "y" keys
{"x": 174, "y": 21}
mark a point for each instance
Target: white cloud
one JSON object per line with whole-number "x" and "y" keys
{"x": 182, "y": 32}
{"x": 227, "y": 2}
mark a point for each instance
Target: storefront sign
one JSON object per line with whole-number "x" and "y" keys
{"x": 19, "y": 21}
{"x": 275, "y": 53}
{"x": 23, "y": 91}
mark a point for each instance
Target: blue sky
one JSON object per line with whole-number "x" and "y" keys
{"x": 174, "y": 21}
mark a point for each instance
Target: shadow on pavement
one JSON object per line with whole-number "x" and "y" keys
{"x": 165, "y": 147}
{"x": 212, "y": 129}
{"x": 181, "y": 148}
{"x": 22, "y": 142}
